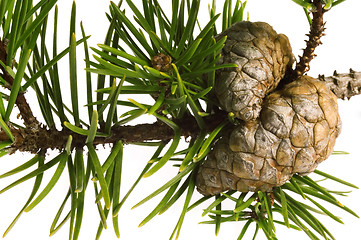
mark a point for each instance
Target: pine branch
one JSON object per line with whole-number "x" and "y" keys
{"x": 343, "y": 85}
{"x": 176, "y": 68}
{"x": 33, "y": 141}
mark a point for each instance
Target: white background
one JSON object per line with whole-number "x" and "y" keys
{"x": 341, "y": 50}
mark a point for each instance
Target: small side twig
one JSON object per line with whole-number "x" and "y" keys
{"x": 316, "y": 32}
{"x": 25, "y": 111}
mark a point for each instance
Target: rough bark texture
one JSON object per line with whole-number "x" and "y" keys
{"x": 343, "y": 85}
{"x": 316, "y": 32}
{"x": 42, "y": 138}
{"x": 262, "y": 57}
{"x": 297, "y": 129}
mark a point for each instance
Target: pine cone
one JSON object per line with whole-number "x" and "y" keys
{"x": 262, "y": 57}
{"x": 296, "y": 131}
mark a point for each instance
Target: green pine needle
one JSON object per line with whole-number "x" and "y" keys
{"x": 37, "y": 183}
{"x": 62, "y": 162}
{"x": 25, "y": 55}
{"x": 6, "y": 129}
{"x": 100, "y": 175}
{"x": 171, "y": 149}
{"x": 93, "y": 128}
{"x": 34, "y": 173}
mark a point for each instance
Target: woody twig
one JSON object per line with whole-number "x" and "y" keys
{"x": 314, "y": 36}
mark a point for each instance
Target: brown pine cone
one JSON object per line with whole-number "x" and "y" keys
{"x": 262, "y": 57}
{"x": 296, "y": 130}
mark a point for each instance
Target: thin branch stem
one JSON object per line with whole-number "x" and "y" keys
{"x": 316, "y": 32}
{"x": 43, "y": 138}
{"x": 25, "y": 111}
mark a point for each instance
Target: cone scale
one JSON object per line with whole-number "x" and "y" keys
{"x": 262, "y": 56}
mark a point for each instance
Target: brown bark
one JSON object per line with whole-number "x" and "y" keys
{"x": 42, "y": 138}
{"x": 343, "y": 85}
